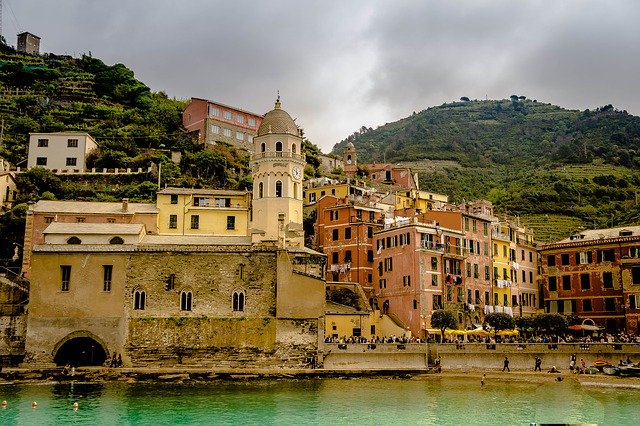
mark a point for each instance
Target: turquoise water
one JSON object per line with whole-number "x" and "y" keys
{"x": 385, "y": 401}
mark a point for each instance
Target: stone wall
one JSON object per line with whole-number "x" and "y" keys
{"x": 45, "y": 335}
{"x": 221, "y": 342}
{"x": 479, "y": 356}
{"x": 379, "y": 356}
{"x": 212, "y": 333}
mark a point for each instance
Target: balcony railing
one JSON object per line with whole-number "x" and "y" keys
{"x": 430, "y": 245}
{"x": 278, "y": 154}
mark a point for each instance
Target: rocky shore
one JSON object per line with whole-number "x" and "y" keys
{"x": 195, "y": 375}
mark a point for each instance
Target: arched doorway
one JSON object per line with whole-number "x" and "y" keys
{"x": 80, "y": 349}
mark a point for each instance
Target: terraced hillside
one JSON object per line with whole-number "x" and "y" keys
{"x": 529, "y": 158}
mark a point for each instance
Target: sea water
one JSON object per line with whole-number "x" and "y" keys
{"x": 366, "y": 401}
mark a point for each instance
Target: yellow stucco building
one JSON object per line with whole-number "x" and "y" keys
{"x": 185, "y": 211}
{"x": 502, "y": 269}
{"x": 421, "y": 201}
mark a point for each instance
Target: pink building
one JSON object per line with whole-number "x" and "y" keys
{"x": 215, "y": 122}
{"x": 420, "y": 268}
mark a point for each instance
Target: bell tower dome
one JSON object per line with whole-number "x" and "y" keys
{"x": 350, "y": 157}
{"x": 277, "y": 167}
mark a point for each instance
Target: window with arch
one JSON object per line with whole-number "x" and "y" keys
{"x": 238, "y": 301}
{"x": 186, "y": 300}
{"x": 263, "y": 147}
{"x": 260, "y": 190}
{"x": 278, "y": 188}
{"x": 139, "y": 300}
{"x": 293, "y": 148}
{"x": 278, "y": 149}
{"x": 295, "y": 190}
{"x": 74, "y": 240}
{"x": 116, "y": 240}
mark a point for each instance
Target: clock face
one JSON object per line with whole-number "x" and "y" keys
{"x": 296, "y": 173}
{"x": 349, "y": 161}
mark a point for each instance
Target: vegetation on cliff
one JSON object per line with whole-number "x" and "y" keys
{"x": 531, "y": 159}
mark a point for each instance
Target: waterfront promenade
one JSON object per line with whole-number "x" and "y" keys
{"x": 404, "y": 360}
{"x": 472, "y": 356}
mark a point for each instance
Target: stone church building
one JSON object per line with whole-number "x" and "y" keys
{"x": 229, "y": 301}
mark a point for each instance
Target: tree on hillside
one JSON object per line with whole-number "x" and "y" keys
{"x": 500, "y": 321}
{"x": 12, "y": 231}
{"x": 443, "y": 319}
{"x": 464, "y": 99}
{"x": 35, "y": 181}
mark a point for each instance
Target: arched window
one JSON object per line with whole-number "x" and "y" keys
{"x": 116, "y": 240}
{"x": 185, "y": 301}
{"x": 293, "y": 148}
{"x": 238, "y": 301}
{"x": 263, "y": 147}
{"x": 278, "y": 188}
{"x": 139, "y": 300}
{"x": 260, "y": 190}
{"x": 295, "y": 190}
{"x": 74, "y": 240}
{"x": 278, "y": 149}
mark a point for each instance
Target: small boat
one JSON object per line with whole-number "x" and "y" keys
{"x": 629, "y": 370}
{"x": 599, "y": 363}
{"x": 591, "y": 370}
{"x": 611, "y": 370}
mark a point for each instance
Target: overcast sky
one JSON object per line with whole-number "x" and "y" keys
{"x": 342, "y": 64}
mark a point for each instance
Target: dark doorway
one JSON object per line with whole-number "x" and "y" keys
{"x": 80, "y": 351}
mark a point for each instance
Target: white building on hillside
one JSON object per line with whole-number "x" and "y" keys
{"x": 60, "y": 150}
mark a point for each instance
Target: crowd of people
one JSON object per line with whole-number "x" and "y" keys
{"x": 374, "y": 339}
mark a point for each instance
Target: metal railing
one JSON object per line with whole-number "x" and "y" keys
{"x": 278, "y": 154}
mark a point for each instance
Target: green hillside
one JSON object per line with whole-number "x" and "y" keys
{"x": 529, "y": 158}
{"x": 133, "y": 126}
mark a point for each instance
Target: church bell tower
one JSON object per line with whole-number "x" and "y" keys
{"x": 277, "y": 166}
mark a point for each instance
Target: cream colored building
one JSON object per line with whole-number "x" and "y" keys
{"x": 184, "y": 211}
{"x": 60, "y": 151}
{"x": 277, "y": 166}
{"x": 8, "y": 190}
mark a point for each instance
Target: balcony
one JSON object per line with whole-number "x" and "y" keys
{"x": 278, "y": 154}
{"x": 430, "y": 245}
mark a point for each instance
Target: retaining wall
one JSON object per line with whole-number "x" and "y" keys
{"x": 481, "y": 356}
{"x": 378, "y": 356}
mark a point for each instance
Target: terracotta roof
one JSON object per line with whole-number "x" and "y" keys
{"x": 91, "y": 207}
{"x": 598, "y": 234}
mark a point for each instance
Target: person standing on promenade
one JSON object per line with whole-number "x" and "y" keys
{"x": 572, "y": 362}
{"x": 538, "y": 364}
{"x": 484, "y": 376}
{"x": 506, "y": 364}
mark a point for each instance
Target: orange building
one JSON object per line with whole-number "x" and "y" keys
{"x": 345, "y": 231}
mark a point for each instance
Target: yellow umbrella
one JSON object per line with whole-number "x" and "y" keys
{"x": 455, "y": 332}
{"x": 508, "y": 333}
{"x": 478, "y": 332}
